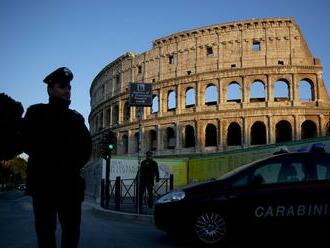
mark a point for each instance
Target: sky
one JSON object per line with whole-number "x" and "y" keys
{"x": 38, "y": 36}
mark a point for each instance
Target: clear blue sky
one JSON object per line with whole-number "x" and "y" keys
{"x": 37, "y": 36}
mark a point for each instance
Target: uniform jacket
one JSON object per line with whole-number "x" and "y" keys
{"x": 58, "y": 144}
{"x": 148, "y": 172}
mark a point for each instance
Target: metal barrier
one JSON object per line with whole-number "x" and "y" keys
{"x": 122, "y": 193}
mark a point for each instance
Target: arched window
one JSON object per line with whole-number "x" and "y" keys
{"x": 101, "y": 120}
{"x": 308, "y": 130}
{"x": 153, "y": 140}
{"x": 211, "y": 135}
{"x": 190, "y": 98}
{"x": 136, "y": 142}
{"x": 258, "y": 133}
{"x": 155, "y": 104}
{"x": 234, "y": 93}
{"x": 257, "y": 91}
{"x": 281, "y": 91}
{"x": 189, "y": 136}
{"x": 107, "y": 117}
{"x": 234, "y": 137}
{"x": 125, "y": 144}
{"x": 211, "y": 95}
{"x": 306, "y": 90}
{"x": 283, "y": 131}
{"x": 171, "y": 101}
{"x": 170, "y": 134}
{"x": 115, "y": 115}
{"x": 126, "y": 111}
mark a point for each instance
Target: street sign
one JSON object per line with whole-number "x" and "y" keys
{"x": 140, "y": 94}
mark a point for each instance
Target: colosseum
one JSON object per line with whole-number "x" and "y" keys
{"x": 215, "y": 88}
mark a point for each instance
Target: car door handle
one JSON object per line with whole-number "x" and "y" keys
{"x": 232, "y": 197}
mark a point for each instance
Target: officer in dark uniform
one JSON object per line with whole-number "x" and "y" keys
{"x": 58, "y": 144}
{"x": 148, "y": 173}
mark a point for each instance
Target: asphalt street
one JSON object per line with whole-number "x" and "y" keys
{"x": 99, "y": 229}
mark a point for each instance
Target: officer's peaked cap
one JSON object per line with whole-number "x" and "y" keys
{"x": 149, "y": 153}
{"x": 60, "y": 75}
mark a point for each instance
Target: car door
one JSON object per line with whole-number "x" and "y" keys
{"x": 267, "y": 193}
{"x": 317, "y": 215}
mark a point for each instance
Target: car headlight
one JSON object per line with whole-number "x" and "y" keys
{"x": 172, "y": 196}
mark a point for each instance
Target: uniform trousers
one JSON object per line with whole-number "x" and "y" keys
{"x": 46, "y": 211}
{"x": 143, "y": 187}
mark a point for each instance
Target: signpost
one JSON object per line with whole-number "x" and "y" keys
{"x": 140, "y": 95}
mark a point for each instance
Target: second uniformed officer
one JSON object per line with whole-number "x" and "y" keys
{"x": 148, "y": 173}
{"x": 58, "y": 144}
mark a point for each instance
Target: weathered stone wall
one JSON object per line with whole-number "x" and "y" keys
{"x": 266, "y": 51}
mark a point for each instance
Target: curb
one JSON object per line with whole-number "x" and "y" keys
{"x": 118, "y": 215}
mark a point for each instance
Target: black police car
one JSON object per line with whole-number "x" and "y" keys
{"x": 290, "y": 191}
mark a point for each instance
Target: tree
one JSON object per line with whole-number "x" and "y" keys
{"x": 10, "y": 123}
{"x": 13, "y": 171}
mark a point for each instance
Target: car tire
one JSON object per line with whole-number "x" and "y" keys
{"x": 210, "y": 228}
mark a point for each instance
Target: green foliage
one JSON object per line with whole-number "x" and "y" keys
{"x": 10, "y": 123}
{"x": 12, "y": 172}
{"x": 17, "y": 166}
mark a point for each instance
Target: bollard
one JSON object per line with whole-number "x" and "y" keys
{"x": 117, "y": 193}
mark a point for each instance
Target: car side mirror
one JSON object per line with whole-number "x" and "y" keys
{"x": 255, "y": 180}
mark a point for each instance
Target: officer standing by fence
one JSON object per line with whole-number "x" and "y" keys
{"x": 147, "y": 175}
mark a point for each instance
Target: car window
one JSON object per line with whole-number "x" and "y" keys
{"x": 291, "y": 171}
{"x": 269, "y": 172}
{"x": 322, "y": 168}
{"x": 286, "y": 170}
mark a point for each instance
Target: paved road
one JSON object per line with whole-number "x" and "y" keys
{"x": 100, "y": 230}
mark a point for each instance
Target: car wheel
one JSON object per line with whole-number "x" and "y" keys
{"x": 210, "y": 228}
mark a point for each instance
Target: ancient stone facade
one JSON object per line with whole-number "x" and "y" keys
{"x": 215, "y": 88}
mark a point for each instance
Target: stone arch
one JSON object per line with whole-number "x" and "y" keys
{"x": 190, "y": 97}
{"x": 125, "y": 144}
{"x": 170, "y": 138}
{"x": 306, "y": 90}
{"x": 171, "y": 100}
{"x": 127, "y": 112}
{"x": 257, "y": 91}
{"x": 211, "y": 135}
{"x": 152, "y": 138}
{"x": 211, "y": 94}
{"x": 283, "y": 131}
{"x": 189, "y": 136}
{"x": 234, "y": 92}
{"x": 308, "y": 130}
{"x": 155, "y": 104}
{"x": 115, "y": 115}
{"x": 136, "y": 142}
{"x": 258, "y": 133}
{"x": 281, "y": 90}
{"x": 234, "y": 134}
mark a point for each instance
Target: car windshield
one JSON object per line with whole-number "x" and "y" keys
{"x": 238, "y": 170}
{"x": 234, "y": 171}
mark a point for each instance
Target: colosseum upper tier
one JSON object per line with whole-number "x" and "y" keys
{"x": 219, "y": 87}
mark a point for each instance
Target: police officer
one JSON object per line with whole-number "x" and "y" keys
{"x": 148, "y": 173}
{"x": 58, "y": 144}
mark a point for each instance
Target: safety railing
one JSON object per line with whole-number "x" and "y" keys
{"x": 121, "y": 194}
